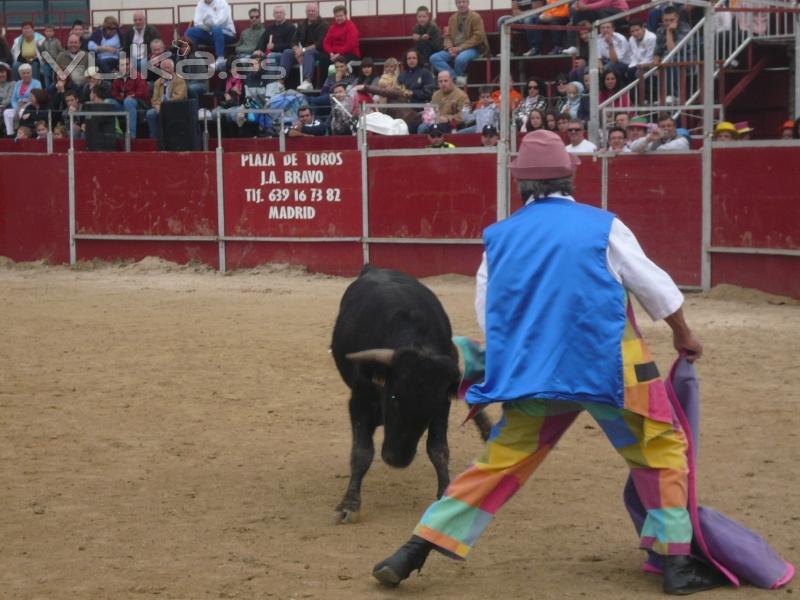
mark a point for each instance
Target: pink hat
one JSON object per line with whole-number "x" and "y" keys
{"x": 743, "y": 127}
{"x": 542, "y": 155}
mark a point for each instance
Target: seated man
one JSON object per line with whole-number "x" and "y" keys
{"x": 307, "y": 47}
{"x": 306, "y": 125}
{"x": 578, "y": 144}
{"x": 489, "y": 136}
{"x": 136, "y": 40}
{"x": 169, "y": 87}
{"x": 131, "y": 92}
{"x": 213, "y": 26}
{"x": 249, "y": 38}
{"x": 73, "y": 60}
{"x": 341, "y": 40}
{"x": 426, "y": 35}
{"x": 276, "y": 38}
{"x": 672, "y": 31}
{"x": 637, "y": 128}
{"x": 448, "y": 102}
{"x": 555, "y": 16}
{"x": 465, "y": 41}
{"x": 613, "y": 51}
{"x": 662, "y": 138}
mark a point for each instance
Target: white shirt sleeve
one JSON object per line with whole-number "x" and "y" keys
{"x": 480, "y": 293}
{"x": 679, "y": 143}
{"x": 627, "y": 262}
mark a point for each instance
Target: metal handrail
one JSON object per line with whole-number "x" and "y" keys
{"x": 218, "y": 112}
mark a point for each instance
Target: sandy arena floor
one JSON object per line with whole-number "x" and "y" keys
{"x": 176, "y": 433}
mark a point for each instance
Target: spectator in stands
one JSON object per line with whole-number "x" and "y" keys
{"x": 276, "y": 38}
{"x": 616, "y": 141}
{"x": 251, "y": 35}
{"x": 787, "y": 130}
{"x": 611, "y": 85}
{"x": 489, "y": 136}
{"x": 417, "y": 80}
{"x": 743, "y": 131}
{"x": 642, "y": 44}
{"x": 20, "y": 96}
{"x": 59, "y": 131}
{"x": 426, "y": 35}
{"x": 341, "y": 74}
{"x": 366, "y": 74}
{"x": 74, "y": 61}
{"x": 671, "y": 32}
{"x": 534, "y": 99}
{"x": 636, "y": 129}
{"x": 579, "y": 45}
{"x": 79, "y": 29}
{"x": 554, "y": 16}
{"x": 137, "y": 39}
{"x": 49, "y": 49}
{"x": 436, "y": 138}
{"x": 551, "y": 121}
{"x": 613, "y": 50}
{"x": 158, "y": 53}
{"x": 465, "y": 41}
{"x": 662, "y": 138}
{"x": 578, "y": 144}
{"x": 725, "y": 131}
{"x": 105, "y": 43}
{"x": 518, "y": 7}
{"x": 592, "y": 10}
{"x": 130, "y": 92}
{"x": 342, "y": 109}
{"x": 306, "y": 125}
{"x": 448, "y": 102}
{"x": 213, "y": 26}
{"x": 25, "y": 50}
{"x": 56, "y": 93}
{"x": 563, "y": 122}
{"x": 5, "y": 52}
{"x": 92, "y": 80}
{"x": 193, "y": 67}
{"x": 621, "y": 120}
{"x": 307, "y": 47}
{"x": 41, "y": 130}
{"x": 341, "y": 40}
{"x": 391, "y": 68}
{"x": 171, "y": 86}
{"x": 536, "y": 120}
{"x": 36, "y": 109}
{"x": 24, "y": 133}
{"x": 72, "y": 106}
{"x": 6, "y": 87}
{"x": 484, "y": 113}
{"x": 575, "y": 105}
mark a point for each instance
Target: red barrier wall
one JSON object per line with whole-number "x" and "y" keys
{"x": 416, "y": 196}
{"x": 34, "y": 208}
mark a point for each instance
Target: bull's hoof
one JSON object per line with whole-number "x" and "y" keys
{"x": 346, "y": 517}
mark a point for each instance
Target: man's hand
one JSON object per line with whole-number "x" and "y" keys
{"x": 654, "y": 135}
{"x": 454, "y": 51}
{"x": 416, "y": 37}
{"x": 684, "y": 340}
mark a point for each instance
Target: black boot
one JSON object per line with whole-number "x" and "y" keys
{"x": 399, "y": 565}
{"x": 684, "y": 575}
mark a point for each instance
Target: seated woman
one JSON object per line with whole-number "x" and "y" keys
{"x": 367, "y": 75}
{"x": 20, "y": 96}
{"x": 611, "y": 84}
{"x": 417, "y": 80}
{"x": 575, "y": 104}
{"x": 536, "y": 98}
{"x": 536, "y": 120}
{"x": 106, "y": 44}
{"x": 341, "y": 74}
{"x": 37, "y": 109}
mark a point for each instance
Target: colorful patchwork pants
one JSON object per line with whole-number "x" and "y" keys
{"x": 527, "y": 431}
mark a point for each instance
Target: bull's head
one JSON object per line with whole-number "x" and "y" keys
{"x": 416, "y": 388}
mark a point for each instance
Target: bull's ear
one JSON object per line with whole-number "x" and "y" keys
{"x": 381, "y": 356}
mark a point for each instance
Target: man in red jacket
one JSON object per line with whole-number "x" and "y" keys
{"x": 130, "y": 91}
{"x": 342, "y": 37}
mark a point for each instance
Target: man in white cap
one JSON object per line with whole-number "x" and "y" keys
{"x": 552, "y": 297}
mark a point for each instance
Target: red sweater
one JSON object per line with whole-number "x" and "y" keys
{"x": 342, "y": 39}
{"x": 138, "y": 88}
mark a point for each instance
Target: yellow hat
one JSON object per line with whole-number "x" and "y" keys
{"x": 725, "y": 126}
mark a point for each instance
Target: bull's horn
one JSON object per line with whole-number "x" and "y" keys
{"x": 378, "y": 355}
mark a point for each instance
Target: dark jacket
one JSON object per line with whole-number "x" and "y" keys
{"x": 150, "y": 34}
{"x": 419, "y": 82}
{"x": 310, "y": 33}
{"x": 57, "y": 104}
{"x": 282, "y": 36}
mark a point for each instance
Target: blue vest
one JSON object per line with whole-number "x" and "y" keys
{"x": 554, "y": 314}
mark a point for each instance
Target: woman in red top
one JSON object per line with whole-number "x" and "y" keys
{"x": 610, "y": 85}
{"x": 342, "y": 37}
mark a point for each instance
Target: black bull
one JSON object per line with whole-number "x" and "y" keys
{"x": 392, "y": 345}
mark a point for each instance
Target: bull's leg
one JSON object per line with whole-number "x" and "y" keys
{"x": 363, "y": 421}
{"x": 438, "y": 450}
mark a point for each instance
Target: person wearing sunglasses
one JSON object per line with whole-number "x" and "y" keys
{"x": 578, "y": 144}
{"x": 249, "y": 37}
{"x": 535, "y": 98}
